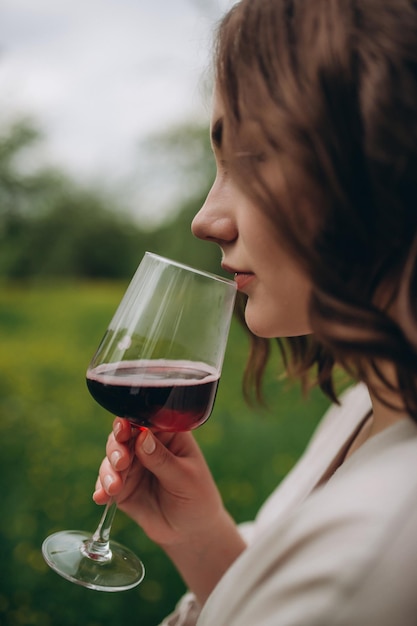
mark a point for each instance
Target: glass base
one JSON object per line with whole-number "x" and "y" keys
{"x": 66, "y": 552}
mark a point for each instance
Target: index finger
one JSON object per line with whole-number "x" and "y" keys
{"x": 122, "y": 430}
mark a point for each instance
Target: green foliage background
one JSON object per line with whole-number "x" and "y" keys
{"x": 66, "y": 256}
{"x": 53, "y": 437}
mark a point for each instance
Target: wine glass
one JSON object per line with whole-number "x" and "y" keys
{"x": 158, "y": 365}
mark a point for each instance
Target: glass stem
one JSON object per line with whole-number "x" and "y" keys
{"x": 98, "y": 548}
{"x": 102, "y": 533}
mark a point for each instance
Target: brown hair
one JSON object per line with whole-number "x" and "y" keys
{"x": 331, "y": 88}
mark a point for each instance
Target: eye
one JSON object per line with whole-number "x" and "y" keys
{"x": 253, "y": 157}
{"x": 260, "y": 157}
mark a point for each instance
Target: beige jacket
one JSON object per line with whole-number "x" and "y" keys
{"x": 340, "y": 554}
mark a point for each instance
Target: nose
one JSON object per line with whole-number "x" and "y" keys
{"x": 214, "y": 221}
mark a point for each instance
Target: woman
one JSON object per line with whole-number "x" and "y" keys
{"x": 314, "y": 207}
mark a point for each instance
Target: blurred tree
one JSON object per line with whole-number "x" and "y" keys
{"x": 50, "y": 226}
{"x": 78, "y": 237}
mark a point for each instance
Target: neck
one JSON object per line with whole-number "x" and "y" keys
{"x": 385, "y": 416}
{"x": 386, "y": 411}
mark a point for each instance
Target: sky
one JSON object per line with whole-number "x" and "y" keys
{"x": 99, "y": 76}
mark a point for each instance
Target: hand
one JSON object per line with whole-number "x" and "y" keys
{"x": 166, "y": 488}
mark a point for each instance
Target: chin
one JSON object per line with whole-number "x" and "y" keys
{"x": 260, "y": 326}
{"x": 267, "y": 327}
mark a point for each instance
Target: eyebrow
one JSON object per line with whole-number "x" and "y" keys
{"x": 217, "y": 133}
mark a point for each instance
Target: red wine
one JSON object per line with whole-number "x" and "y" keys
{"x": 161, "y": 395}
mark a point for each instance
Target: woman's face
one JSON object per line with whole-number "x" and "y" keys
{"x": 276, "y": 288}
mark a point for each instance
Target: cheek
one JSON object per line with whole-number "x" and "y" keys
{"x": 279, "y": 311}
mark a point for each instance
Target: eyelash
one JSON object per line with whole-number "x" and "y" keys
{"x": 258, "y": 157}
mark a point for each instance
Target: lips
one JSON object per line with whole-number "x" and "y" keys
{"x": 241, "y": 278}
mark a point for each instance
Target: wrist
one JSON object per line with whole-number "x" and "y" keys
{"x": 204, "y": 556}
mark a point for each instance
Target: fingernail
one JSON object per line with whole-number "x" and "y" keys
{"x": 117, "y": 428}
{"x": 148, "y": 444}
{"x": 115, "y": 457}
{"x": 107, "y": 482}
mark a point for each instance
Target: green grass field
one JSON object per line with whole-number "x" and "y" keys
{"x": 53, "y": 437}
